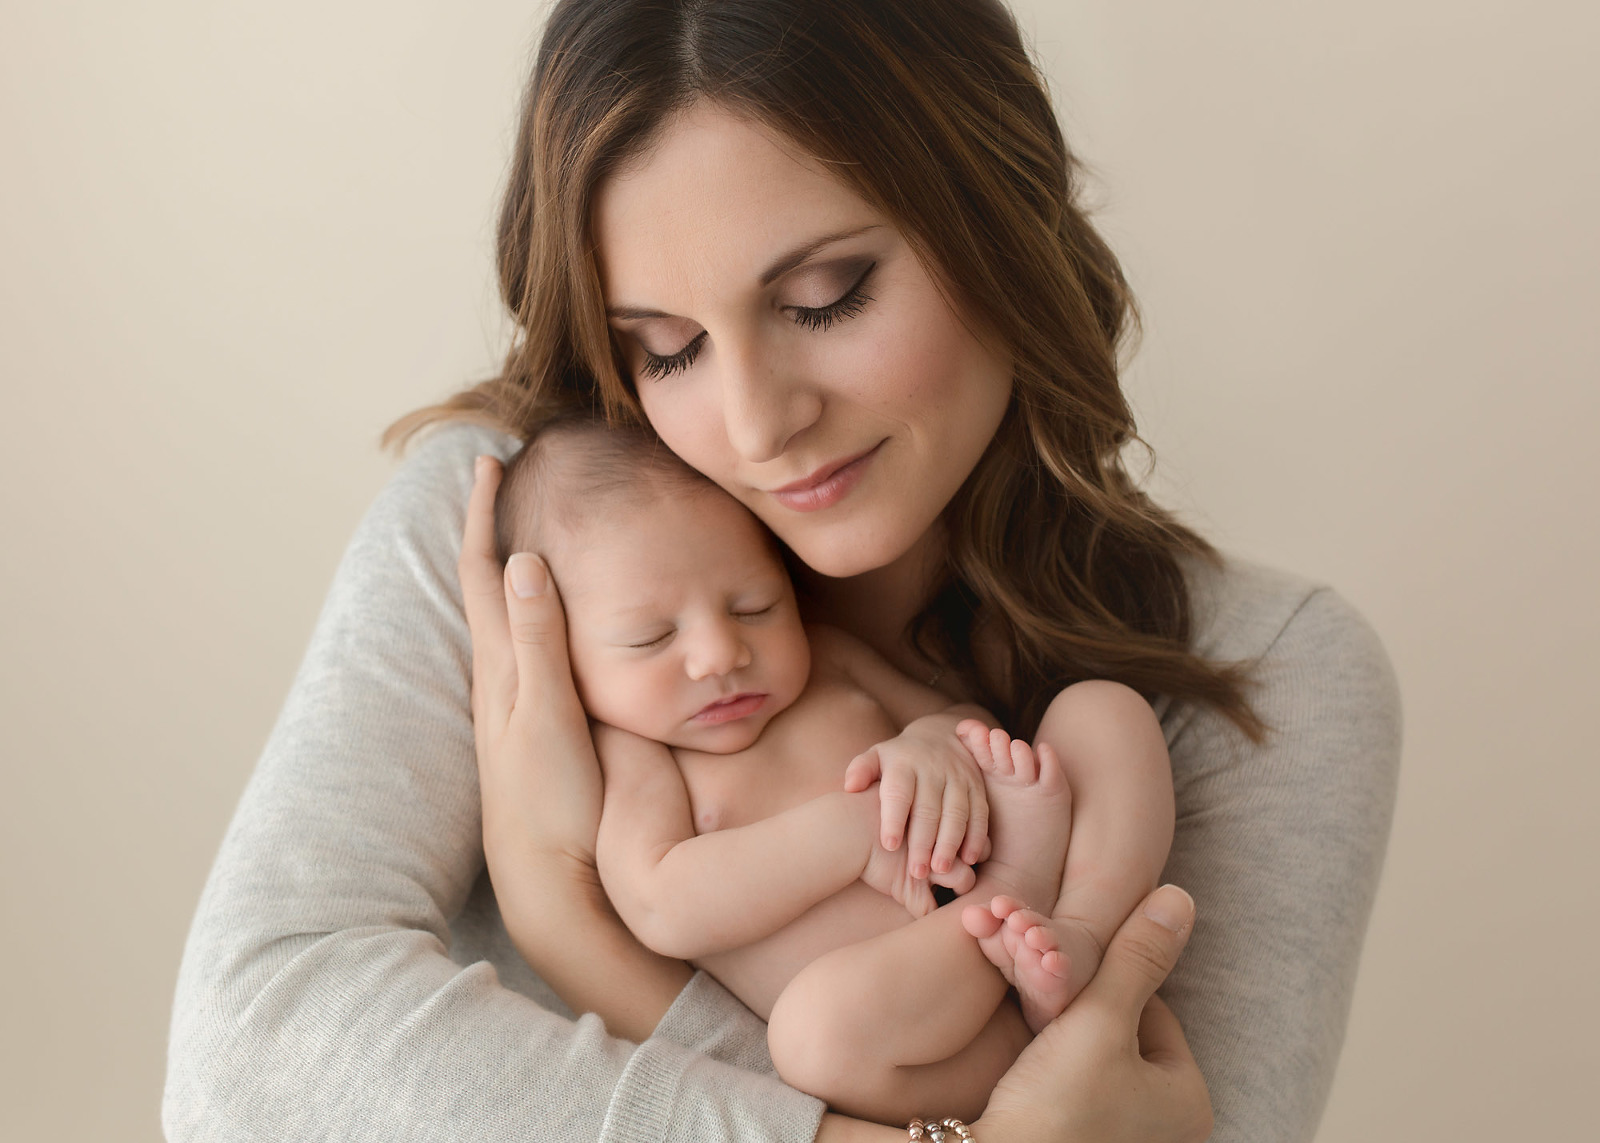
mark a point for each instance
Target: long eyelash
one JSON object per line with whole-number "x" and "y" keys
{"x": 820, "y": 318}
{"x": 662, "y": 366}
{"x": 854, "y": 301}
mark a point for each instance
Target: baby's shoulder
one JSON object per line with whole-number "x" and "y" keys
{"x": 834, "y": 700}
{"x": 830, "y": 643}
{"x": 836, "y": 655}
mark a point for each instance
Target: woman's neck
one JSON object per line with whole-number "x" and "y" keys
{"x": 878, "y": 606}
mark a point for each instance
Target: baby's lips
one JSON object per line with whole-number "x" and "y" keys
{"x": 731, "y": 708}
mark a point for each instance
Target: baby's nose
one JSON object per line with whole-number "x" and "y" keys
{"x": 718, "y": 651}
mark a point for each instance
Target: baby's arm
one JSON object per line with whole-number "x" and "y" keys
{"x": 687, "y": 895}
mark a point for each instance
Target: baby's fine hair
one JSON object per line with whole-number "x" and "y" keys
{"x": 571, "y": 469}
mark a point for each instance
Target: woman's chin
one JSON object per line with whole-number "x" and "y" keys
{"x": 847, "y": 558}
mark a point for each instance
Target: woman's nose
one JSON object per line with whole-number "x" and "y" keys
{"x": 765, "y": 403}
{"x": 717, "y": 649}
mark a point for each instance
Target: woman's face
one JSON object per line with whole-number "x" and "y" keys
{"x": 786, "y": 341}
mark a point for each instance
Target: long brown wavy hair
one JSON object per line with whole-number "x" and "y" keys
{"x": 933, "y": 112}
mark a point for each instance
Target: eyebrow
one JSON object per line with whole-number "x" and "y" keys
{"x": 777, "y": 269}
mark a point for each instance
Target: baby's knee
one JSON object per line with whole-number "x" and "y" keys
{"x": 1099, "y": 712}
{"x": 817, "y": 1043}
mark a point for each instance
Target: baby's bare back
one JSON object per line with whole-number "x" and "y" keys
{"x": 801, "y": 754}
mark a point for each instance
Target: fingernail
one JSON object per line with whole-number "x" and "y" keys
{"x": 528, "y": 575}
{"x": 477, "y": 465}
{"x": 1171, "y": 908}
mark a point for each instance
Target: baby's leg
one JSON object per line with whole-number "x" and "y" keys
{"x": 913, "y": 1011}
{"x": 859, "y": 1079}
{"x": 906, "y": 1014}
{"x": 1115, "y": 758}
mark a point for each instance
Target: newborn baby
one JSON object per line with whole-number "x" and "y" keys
{"x": 725, "y": 729}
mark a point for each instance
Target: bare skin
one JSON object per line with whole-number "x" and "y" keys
{"x": 1033, "y": 807}
{"x": 1113, "y": 1067}
{"x": 727, "y": 736}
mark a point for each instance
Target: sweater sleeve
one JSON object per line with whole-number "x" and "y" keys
{"x": 1281, "y": 845}
{"x": 318, "y": 998}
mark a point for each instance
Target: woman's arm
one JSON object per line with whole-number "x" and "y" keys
{"x": 318, "y": 997}
{"x": 1281, "y": 844}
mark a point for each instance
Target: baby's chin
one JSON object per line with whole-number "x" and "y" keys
{"x": 728, "y": 738}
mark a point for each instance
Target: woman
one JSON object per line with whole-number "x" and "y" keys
{"x": 831, "y": 253}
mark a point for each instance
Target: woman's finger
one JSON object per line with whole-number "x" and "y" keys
{"x": 1141, "y": 954}
{"x": 539, "y": 642}
{"x": 483, "y": 598}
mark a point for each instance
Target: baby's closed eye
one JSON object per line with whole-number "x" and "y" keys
{"x": 650, "y": 640}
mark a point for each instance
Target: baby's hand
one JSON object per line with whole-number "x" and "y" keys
{"x": 932, "y": 796}
{"x": 888, "y": 873}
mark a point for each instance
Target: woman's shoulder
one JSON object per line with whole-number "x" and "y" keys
{"x": 1241, "y": 610}
{"x": 1307, "y": 649}
{"x": 424, "y": 501}
{"x": 439, "y": 462}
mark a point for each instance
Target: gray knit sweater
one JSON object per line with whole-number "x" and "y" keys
{"x": 348, "y": 976}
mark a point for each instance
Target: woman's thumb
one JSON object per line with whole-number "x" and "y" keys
{"x": 1144, "y": 950}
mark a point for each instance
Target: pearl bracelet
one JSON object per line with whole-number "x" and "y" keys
{"x": 938, "y": 1131}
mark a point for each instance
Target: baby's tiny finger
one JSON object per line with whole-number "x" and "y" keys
{"x": 953, "y": 826}
{"x": 864, "y": 769}
{"x": 924, "y": 830}
{"x": 894, "y": 805}
{"x": 976, "y": 846}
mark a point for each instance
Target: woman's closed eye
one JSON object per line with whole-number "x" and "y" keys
{"x": 853, "y": 301}
{"x": 655, "y": 366}
{"x": 817, "y": 318}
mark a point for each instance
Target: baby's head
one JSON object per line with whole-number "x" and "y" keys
{"x": 681, "y": 619}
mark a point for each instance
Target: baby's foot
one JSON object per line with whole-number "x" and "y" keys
{"x": 1030, "y": 814}
{"x": 1047, "y": 960}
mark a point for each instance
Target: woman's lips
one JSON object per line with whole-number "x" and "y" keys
{"x": 731, "y": 708}
{"x": 827, "y": 486}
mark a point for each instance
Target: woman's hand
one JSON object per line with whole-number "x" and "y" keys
{"x": 932, "y": 797}
{"x": 536, "y": 762}
{"x": 1114, "y": 1066}
{"x": 542, "y": 788}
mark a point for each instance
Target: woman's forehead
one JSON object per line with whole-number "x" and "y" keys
{"x": 715, "y": 203}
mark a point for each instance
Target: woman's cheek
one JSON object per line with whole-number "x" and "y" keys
{"x": 690, "y": 422}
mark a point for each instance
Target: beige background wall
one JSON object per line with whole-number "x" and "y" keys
{"x": 237, "y": 239}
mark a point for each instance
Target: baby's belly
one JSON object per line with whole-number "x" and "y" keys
{"x": 757, "y": 973}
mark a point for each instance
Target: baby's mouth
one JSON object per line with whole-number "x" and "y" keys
{"x": 733, "y": 707}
